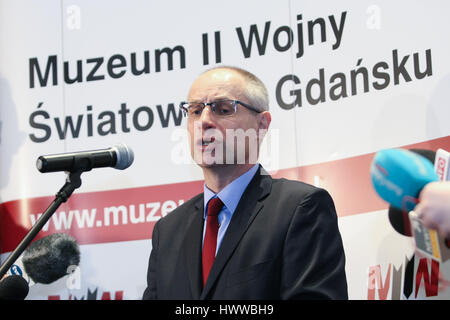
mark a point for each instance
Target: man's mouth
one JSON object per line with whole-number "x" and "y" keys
{"x": 207, "y": 141}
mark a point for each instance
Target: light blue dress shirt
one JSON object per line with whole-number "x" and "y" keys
{"x": 230, "y": 196}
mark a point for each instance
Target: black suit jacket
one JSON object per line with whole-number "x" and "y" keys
{"x": 282, "y": 242}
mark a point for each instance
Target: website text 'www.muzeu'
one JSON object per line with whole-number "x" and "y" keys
{"x": 108, "y": 216}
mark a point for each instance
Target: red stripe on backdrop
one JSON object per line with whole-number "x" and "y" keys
{"x": 130, "y": 214}
{"x": 348, "y": 180}
{"x": 96, "y": 217}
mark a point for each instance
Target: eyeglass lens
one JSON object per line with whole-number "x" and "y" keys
{"x": 220, "y": 108}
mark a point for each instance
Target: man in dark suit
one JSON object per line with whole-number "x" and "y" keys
{"x": 247, "y": 236}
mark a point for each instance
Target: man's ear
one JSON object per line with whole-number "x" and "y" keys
{"x": 264, "y": 121}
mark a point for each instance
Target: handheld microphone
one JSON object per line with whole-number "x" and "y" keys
{"x": 399, "y": 175}
{"x": 13, "y": 288}
{"x": 400, "y": 219}
{"x": 442, "y": 164}
{"x": 119, "y": 156}
{"x": 48, "y": 259}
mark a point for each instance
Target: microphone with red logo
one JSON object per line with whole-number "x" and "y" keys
{"x": 442, "y": 164}
{"x": 434, "y": 206}
{"x": 398, "y": 177}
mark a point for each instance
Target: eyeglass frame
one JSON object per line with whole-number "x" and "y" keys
{"x": 213, "y": 107}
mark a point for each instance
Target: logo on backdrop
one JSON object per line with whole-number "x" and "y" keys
{"x": 92, "y": 295}
{"x": 406, "y": 281}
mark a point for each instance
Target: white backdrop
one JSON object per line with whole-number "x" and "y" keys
{"x": 345, "y": 79}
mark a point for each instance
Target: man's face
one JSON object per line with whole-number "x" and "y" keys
{"x": 219, "y": 140}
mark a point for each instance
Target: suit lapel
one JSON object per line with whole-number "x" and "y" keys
{"x": 193, "y": 249}
{"x": 248, "y": 208}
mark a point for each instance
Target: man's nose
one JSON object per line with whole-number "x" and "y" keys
{"x": 207, "y": 118}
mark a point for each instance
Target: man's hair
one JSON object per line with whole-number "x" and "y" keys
{"x": 255, "y": 91}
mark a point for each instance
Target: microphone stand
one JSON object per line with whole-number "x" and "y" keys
{"x": 73, "y": 181}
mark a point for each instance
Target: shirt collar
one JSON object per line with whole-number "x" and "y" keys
{"x": 232, "y": 193}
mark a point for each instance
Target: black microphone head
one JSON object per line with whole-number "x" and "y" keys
{"x": 429, "y": 154}
{"x": 400, "y": 221}
{"x": 125, "y": 156}
{"x": 13, "y": 288}
{"x": 47, "y": 259}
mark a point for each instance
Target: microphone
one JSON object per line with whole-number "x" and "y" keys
{"x": 74, "y": 164}
{"x": 400, "y": 219}
{"x": 442, "y": 164}
{"x": 48, "y": 259}
{"x": 399, "y": 175}
{"x": 13, "y": 288}
{"x": 119, "y": 156}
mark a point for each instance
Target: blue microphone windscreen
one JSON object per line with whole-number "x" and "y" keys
{"x": 399, "y": 175}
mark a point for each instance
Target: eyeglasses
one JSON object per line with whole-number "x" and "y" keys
{"x": 221, "y": 108}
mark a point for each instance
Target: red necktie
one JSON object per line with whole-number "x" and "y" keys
{"x": 210, "y": 241}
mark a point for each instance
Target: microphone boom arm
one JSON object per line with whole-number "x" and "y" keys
{"x": 73, "y": 181}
